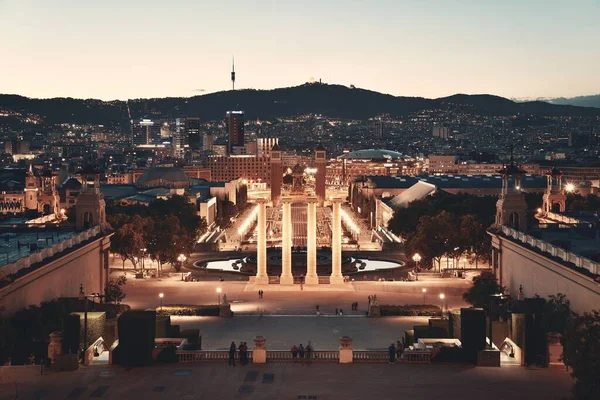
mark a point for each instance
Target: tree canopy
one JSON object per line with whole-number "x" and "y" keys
{"x": 484, "y": 286}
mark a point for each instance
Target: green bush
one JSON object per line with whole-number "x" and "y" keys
{"x": 426, "y": 310}
{"x": 168, "y": 354}
{"x": 189, "y": 310}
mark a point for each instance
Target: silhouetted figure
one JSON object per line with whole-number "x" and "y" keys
{"x": 392, "y": 353}
{"x": 294, "y": 352}
{"x": 301, "y": 352}
{"x": 232, "y": 350}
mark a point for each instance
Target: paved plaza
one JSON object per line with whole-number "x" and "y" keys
{"x": 143, "y": 294}
{"x": 287, "y": 381}
{"x": 283, "y": 332}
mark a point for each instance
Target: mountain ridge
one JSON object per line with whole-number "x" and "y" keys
{"x": 336, "y": 101}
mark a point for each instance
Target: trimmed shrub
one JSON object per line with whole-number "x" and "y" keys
{"x": 168, "y": 354}
{"x": 421, "y": 332}
{"x": 189, "y": 310}
{"x": 71, "y": 334}
{"x": 417, "y": 310}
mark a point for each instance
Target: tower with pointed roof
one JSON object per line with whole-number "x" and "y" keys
{"x": 554, "y": 199}
{"x": 90, "y": 207}
{"x": 32, "y": 187}
{"x": 511, "y": 208}
{"x": 48, "y": 197}
{"x": 232, "y": 73}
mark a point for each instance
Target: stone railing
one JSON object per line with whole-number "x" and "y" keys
{"x": 562, "y": 218}
{"x": 366, "y": 356}
{"x": 42, "y": 220}
{"x": 26, "y": 262}
{"x": 417, "y": 356}
{"x": 207, "y": 356}
{"x": 579, "y": 261}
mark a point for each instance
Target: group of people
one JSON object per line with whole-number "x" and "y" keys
{"x": 260, "y": 294}
{"x": 355, "y": 306}
{"x": 395, "y": 351}
{"x": 338, "y": 311}
{"x": 304, "y": 354}
{"x": 243, "y": 349}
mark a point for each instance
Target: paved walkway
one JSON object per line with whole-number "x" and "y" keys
{"x": 287, "y": 381}
{"x": 283, "y": 332}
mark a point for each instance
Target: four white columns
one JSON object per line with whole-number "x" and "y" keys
{"x": 286, "y": 277}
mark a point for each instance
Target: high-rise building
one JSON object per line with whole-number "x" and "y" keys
{"x": 234, "y": 121}
{"x": 378, "y": 128}
{"x": 207, "y": 142}
{"x": 187, "y": 136}
{"x": 145, "y": 131}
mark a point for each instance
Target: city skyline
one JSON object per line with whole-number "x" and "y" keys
{"x": 138, "y": 50}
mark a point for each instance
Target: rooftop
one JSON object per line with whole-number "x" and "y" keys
{"x": 456, "y": 181}
{"x": 374, "y": 154}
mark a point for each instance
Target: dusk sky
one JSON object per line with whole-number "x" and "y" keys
{"x": 119, "y": 49}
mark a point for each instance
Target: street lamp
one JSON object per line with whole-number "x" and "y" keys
{"x": 442, "y": 297}
{"x": 181, "y": 260}
{"x": 424, "y": 290}
{"x": 161, "y": 295}
{"x": 416, "y": 258}
{"x": 219, "y": 290}
{"x": 143, "y": 257}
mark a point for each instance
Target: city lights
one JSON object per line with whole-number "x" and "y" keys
{"x": 569, "y": 188}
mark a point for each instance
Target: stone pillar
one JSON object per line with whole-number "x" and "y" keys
{"x": 346, "y": 351}
{"x": 259, "y": 353}
{"x": 55, "y": 346}
{"x": 286, "y": 277}
{"x": 311, "y": 242}
{"x": 336, "y": 244}
{"x": 261, "y": 246}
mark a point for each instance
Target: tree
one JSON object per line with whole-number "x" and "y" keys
{"x": 582, "y": 353}
{"x": 129, "y": 240}
{"x": 435, "y": 237}
{"x": 484, "y": 286}
{"x": 558, "y": 313}
{"x": 113, "y": 293}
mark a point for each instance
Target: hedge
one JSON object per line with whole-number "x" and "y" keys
{"x": 189, "y": 310}
{"x": 426, "y": 310}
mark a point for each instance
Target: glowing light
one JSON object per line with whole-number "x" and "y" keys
{"x": 417, "y": 257}
{"x": 539, "y": 210}
{"x": 347, "y": 219}
{"x": 219, "y": 290}
{"x": 424, "y": 290}
{"x": 246, "y": 224}
{"x": 161, "y": 295}
{"x": 569, "y": 187}
{"x": 442, "y": 296}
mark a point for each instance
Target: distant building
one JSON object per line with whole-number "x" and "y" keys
{"x": 378, "y": 128}
{"x": 207, "y": 142}
{"x": 187, "y": 136}
{"x": 442, "y": 164}
{"x": 249, "y": 167}
{"x": 234, "y": 121}
{"x": 443, "y": 132}
{"x": 264, "y": 146}
{"x": 145, "y": 132}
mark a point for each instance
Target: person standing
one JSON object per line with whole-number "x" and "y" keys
{"x": 232, "y": 350}
{"x": 318, "y": 310}
{"x": 336, "y": 311}
{"x": 392, "y": 353}
{"x": 294, "y": 353}
{"x": 301, "y": 352}
{"x": 399, "y": 349}
{"x": 241, "y": 354}
{"x": 308, "y": 353}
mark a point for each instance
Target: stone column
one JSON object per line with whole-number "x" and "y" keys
{"x": 55, "y": 346}
{"x": 336, "y": 244}
{"x": 311, "y": 242}
{"x": 286, "y": 277}
{"x": 261, "y": 246}
{"x": 259, "y": 353}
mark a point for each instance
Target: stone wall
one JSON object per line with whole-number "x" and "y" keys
{"x": 61, "y": 277}
{"x": 541, "y": 275}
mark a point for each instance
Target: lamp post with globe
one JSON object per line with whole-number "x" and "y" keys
{"x": 416, "y": 258}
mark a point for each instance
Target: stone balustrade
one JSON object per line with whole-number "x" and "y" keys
{"x": 26, "y": 262}
{"x": 567, "y": 256}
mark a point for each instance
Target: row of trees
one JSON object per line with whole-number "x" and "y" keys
{"x": 446, "y": 225}
{"x": 161, "y": 231}
{"x": 580, "y": 333}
